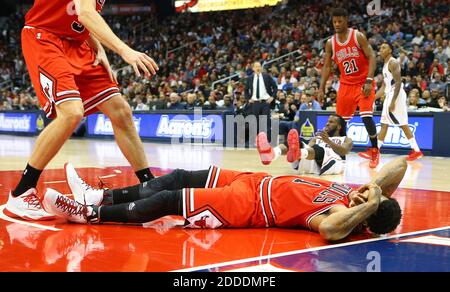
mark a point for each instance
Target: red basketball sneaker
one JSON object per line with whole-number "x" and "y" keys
{"x": 265, "y": 150}
{"x": 375, "y": 158}
{"x": 366, "y": 154}
{"x": 414, "y": 155}
{"x": 294, "y": 146}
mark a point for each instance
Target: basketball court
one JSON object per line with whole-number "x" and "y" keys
{"x": 420, "y": 243}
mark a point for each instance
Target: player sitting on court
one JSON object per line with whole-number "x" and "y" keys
{"x": 218, "y": 198}
{"x": 325, "y": 153}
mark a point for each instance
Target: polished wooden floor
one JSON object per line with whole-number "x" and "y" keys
{"x": 165, "y": 246}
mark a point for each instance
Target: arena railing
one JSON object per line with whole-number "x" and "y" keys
{"x": 265, "y": 64}
{"x": 187, "y": 91}
{"x": 181, "y": 47}
{"x": 6, "y": 84}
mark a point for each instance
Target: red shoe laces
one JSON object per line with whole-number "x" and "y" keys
{"x": 374, "y": 153}
{"x": 32, "y": 200}
{"x": 102, "y": 185}
{"x": 70, "y": 206}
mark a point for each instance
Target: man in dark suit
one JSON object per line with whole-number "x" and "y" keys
{"x": 260, "y": 91}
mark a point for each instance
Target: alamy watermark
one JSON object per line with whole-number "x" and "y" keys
{"x": 374, "y": 264}
{"x": 238, "y": 131}
{"x": 374, "y": 8}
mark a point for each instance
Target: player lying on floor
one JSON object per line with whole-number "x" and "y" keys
{"x": 218, "y": 198}
{"x": 325, "y": 153}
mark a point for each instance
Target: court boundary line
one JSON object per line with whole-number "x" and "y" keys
{"x": 277, "y": 255}
{"x": 9, "y": 219}
{"x": 55, "y": 182}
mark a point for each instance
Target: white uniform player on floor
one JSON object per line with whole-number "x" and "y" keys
{"x": 331, "y": 163}
{"x": 395, "y": 111}
{"x": 325, "y": 154}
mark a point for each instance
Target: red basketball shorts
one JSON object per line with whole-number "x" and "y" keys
{"x": 62, "y": 70}
{"x": 230, "y": 199}
{"x": 350, "y": 97}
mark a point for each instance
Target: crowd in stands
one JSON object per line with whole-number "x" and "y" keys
{"x": 212, "y": 46}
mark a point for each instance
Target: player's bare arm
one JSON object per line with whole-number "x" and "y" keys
{"x": 343, "y": 149}
{"x": 101, "y": 57}
{"x": 380, "y": 93}
{"x": 389, "y": 177}
{"x": 94, "y": 22}
{"x": 340, "y": 221}
{"x": 325, "y": 69}
{"x": 312, "y": 142}
{"x": 394, "y": 68}
{"x": 370, "y": 54}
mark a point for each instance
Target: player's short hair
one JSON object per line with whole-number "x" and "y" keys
{"x": 343, "y": 124}
{"x": 389, "y": 45}
{"x": 386, "y": 218}
{"x": 337, "y": 12}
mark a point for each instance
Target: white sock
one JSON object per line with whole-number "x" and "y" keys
{"x": 277, "y": 152}
{"x": 303, "y": 153}
{"x": 380, "y": 143}
{"x": 413, "y": 144}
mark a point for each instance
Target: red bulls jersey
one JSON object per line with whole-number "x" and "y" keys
{"x": 350, "y": 58}
{"x": 293, "y": 201}
{"x": 58, "y": 17}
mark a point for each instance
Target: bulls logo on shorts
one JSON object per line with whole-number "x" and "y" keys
{"x": 205, "y": 219}
{"x": 48, "y": 85}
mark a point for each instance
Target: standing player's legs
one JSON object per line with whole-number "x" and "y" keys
{"x": 385, "y": 120}
{"x": 415, "y": 153}
{"x": 382, "y": 134}
{"x": 47, "y": 145}
{"x": 409, "y": 135}
{"x": 398, "y": 118}
{"x": 346, "y": 102}
{"x": 127, "y": 138}
{"x": 53, "y": 137}
{"x": 365, "y": 104}
{"x": 58, "y": 95}
{"x": 99, "y": 92}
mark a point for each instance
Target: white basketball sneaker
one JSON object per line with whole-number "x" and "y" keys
{"x": 26, "y": 206}
{"x": 82, "y": 192}
{"x": 64, "y": 207}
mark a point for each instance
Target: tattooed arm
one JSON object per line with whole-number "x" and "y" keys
{"x": 389, "y": 177}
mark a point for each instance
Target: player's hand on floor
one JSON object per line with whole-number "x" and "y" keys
{"x": 140, "y": 62}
